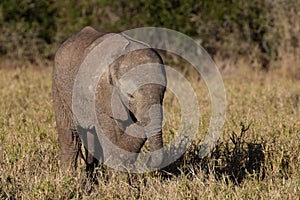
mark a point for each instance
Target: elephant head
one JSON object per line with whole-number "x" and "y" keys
{"x": 136, "y": 102}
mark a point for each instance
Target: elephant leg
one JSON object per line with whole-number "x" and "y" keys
{"x": 117, "y": 140}
{"x": 68, "y": 139}
{"x": 69, "y": 144}
{"x": 93, "y": 151}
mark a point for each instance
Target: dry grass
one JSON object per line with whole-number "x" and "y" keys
{"x": 256, "y": 162}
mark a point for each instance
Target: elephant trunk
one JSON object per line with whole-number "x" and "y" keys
{"x": 156, "y": 148}
{"x": 154, "y": 134}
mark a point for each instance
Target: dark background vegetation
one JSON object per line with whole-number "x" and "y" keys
{"x": 262, "y": 32}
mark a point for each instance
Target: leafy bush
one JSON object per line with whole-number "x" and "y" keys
{"x": 32, "y": 30}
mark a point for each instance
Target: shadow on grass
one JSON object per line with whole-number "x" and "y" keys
{"x": 233, "y": 160}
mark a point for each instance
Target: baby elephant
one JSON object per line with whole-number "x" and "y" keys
{"x": 127, "y": 94}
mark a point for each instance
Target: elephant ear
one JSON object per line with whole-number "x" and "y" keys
{"x": 122, "y": 100}
{"x": 105, "y": 50}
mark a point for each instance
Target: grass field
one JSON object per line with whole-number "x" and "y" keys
{"x": 256, "y": 162}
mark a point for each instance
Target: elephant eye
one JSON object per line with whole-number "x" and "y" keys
{"x": 130, "y": 95}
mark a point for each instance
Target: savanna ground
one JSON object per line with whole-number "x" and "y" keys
{"x": 257, "y": 156}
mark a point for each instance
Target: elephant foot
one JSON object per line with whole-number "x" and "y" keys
{"x": 68, "y": 160}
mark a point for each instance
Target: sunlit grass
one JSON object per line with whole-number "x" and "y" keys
{"x": 29, "y": 159}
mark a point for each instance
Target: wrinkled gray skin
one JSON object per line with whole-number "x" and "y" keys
{"x": 67, "y": 62}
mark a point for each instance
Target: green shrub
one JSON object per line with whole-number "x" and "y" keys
{"x": 32, "y": 30}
